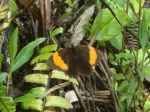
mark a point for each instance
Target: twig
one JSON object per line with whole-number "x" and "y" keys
{"x": 57, "y": 87}
{"x": 111, "y": 88}
{"x": 79, "y": 97}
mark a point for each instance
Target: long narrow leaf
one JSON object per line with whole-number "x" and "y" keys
{"x": 25, "y": 54}
{"x": 143, "y": 33}
{"x": 13, "y": 44}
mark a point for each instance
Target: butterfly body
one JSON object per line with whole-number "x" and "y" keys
{"x": 75, "y": 60}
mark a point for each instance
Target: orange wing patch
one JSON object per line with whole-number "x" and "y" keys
{"x": 93, "y": 55}
{"x": 59, "y": 62}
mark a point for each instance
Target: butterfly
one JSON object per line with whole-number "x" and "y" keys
{"x": 75, "y": 60}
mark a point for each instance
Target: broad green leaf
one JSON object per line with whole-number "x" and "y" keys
{"x": 34, "y": 104}
{"x": 56, "y": 32}
{"x": 57, "y": 101}
{"x": 109, "y": 26}
{"x": 116, "y": 4}
{"x": 117, "y": 41}
{"x": 108, "y": 31}
{"x": 13, "y": 6}
{"x": 61, "y": 75}
{"x": 41, "y": 66}
{"x": 40, "y": 58}
{"x": 37, "y": 78}
{"x": 48, "y": 48}
{"x": 3, "y": 75}
{"x": 143, "y": 33}
{"x": 13, "y": 44}
{"x": 120, "y": 3}
{"x": 1, "y": 60}
{"x": 123, "y": 86}
{"x": 25, "y": 54}
{"x": 28, "y": 97}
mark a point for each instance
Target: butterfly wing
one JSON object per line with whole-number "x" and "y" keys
{"x": 58, "y": 60}
{"x": 89, "y": 57}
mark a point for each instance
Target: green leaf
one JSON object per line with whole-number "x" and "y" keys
{"x": 120, "y": 76}
{"x": 2, "y": 91}
{"x": 35, "y": 104}
{"x": 56, "y": 32}
{"x": 25, "y": 54}
{"x": 28, "y": 97}
{"x": 135, "y": 5}
{"x": 142, "y": 73}
{"x": 124, "y": 56}
{"x": 109, "y": 26}
{"x": 13, "y": 6}
{"x": 7, "y": 104}
{"x": 131, "y": 88}
{"x": 117, "y": 41}
{"x": 57, "y": 101}
{"x": 3, "y": 75}
{"x": 1, "y": 60}
{"x": 147, "y": 14}
{"x": 125, "y": 96}
{"x": 143, "y": 33}
{"x": 3, "y": 14}
{"x": 47, "y": 111}
{"x": 37, "y": 78}
{"x": 146, "y": 106}
{"x": 70, "y": 3}
{"x": 61, "y": 75}
{"x": 123, "y": 86}
{"x": 5, "y": 24}
{"x": 13, "y": 44}
{"x": 41, "y": 90}
{"x": 96, "y": 26}
{"x": 48, "y": 48}
{"x": 41, "y": 66}
{"x": 3, "y": 8}
{"x": 11, "y": 30}
{"x": 40, "y": 58}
